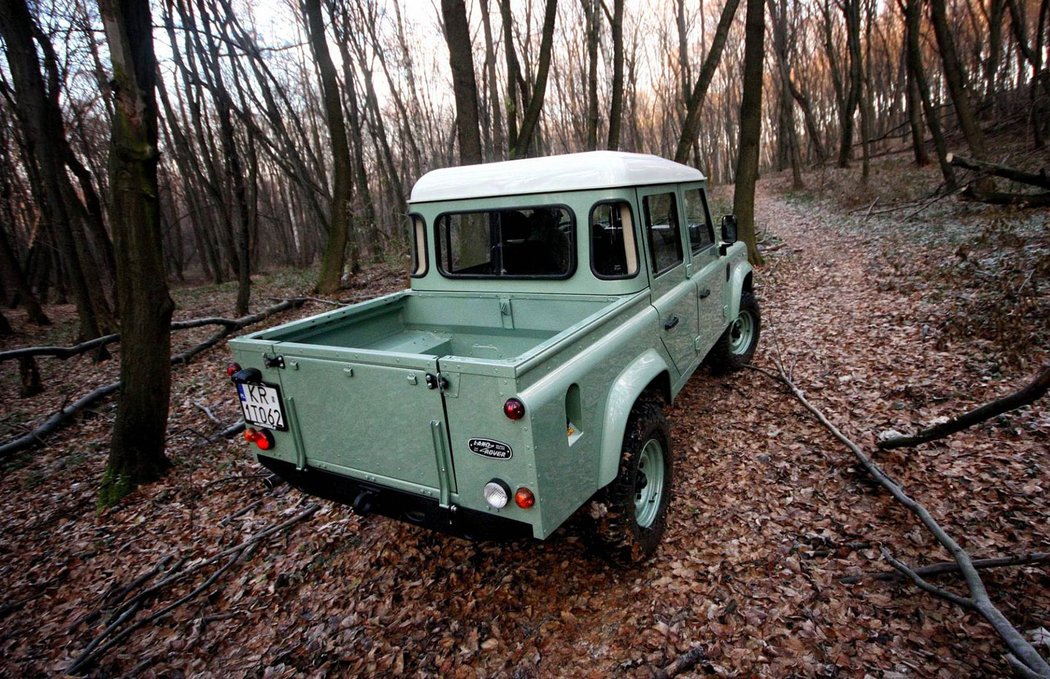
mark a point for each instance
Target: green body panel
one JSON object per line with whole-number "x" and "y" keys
{"x": 577, "y": 352}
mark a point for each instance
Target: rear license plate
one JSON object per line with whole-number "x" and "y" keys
{"x": 261, "y": 405}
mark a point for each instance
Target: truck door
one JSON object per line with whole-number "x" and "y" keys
{"x": 707, "y": 268}
{"x": 377, "y": 417}
{"x": 674, "y": 294}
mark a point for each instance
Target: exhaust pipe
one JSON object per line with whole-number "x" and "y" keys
{"x": 363, "y": 502}
{"x": 273, "y": 481}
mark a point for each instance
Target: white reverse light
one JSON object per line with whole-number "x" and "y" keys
{"x": 496, "y": 493}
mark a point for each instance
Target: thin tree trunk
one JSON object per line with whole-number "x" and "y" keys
{"x": 691, "y": 125}
{"x": 530, "y": 121}
{"x": 750, "y": 128}
{"x": 593, "y": 18}
{"x": 912, "y": 10}
{"x": 340, "y": 233}
{"x": 137, "y": 446}
{"x": 464, "y": 84}
{"x": 498, "y": 150}
{"x": 616, "y": 96}
{"x": 955, "y": 78}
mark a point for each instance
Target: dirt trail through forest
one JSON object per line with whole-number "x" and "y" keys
{"x": 770, "y": 514}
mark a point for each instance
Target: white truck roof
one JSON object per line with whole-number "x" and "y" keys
{"x": 569, "y": 172}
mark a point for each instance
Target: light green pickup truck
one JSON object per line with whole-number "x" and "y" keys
{"x": 556, "y": 306}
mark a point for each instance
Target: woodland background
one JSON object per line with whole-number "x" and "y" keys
{"x": 902, "y": 285}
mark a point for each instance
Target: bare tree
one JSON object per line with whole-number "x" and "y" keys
{"x": 750, "y": 128}
{"x": 137, "y": 446}
{"x": 464, "y": 84}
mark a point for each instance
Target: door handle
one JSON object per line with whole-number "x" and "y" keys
{"x": 671, "y": 322}
{"x": 705, "y": 293}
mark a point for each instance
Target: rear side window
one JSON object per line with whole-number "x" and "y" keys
{"x": 419, "y": 246}
{"x": 661, "y": 226}
{"x": 697, "y": 223}
{"x": 534, "y": 242}
{"x": 613, "y": 251}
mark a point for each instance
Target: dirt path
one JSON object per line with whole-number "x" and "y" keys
{"x": 769, "y": 515}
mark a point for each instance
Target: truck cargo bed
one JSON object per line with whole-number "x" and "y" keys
{"x": 444, "y": 325}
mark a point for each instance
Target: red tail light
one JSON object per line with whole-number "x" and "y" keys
{"x": 524, "y": 498}
{"x": 514, "y": 409}
{"x": 261, "y": 438}
{"x": 232, "y": 368}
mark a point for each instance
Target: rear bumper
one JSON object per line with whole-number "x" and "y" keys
{"x": 396, "y": 504}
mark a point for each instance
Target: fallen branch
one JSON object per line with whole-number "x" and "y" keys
{"x": 1022, "y": 656}
{"x": 1039, "y": 179}
{"x": 1022, "y": 397}
{"x": 34, "y": 437}
{"x": 952, "y": 567}
{"x": 1022, "y": 200}
{"x": 100, "y": 644}
{"x": 52, "y": 423}
{"x": 229, "y": 325}
{"x": 59, "y": 352}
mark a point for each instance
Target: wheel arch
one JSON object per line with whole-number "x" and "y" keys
{"x": 647, "y": 374}
{"x": 741, "y": 280}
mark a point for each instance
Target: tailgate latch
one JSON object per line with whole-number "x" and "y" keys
{"x": 273, "y": 361}
{"x": 436, "y": 382}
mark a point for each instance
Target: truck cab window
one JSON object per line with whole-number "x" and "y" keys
{"x": 613, "y": 251}
{"x": 533, "y": 242}
{"x": 661, "y": 226}
{"x": 698, "y": 223}
{"x": 419, "y": 246}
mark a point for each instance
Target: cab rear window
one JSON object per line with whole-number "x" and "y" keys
{"x": 532, "y": 242}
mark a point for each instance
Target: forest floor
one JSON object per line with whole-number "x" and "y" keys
{"x": 889, "y": 315}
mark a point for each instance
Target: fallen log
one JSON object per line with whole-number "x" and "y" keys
{"x": 1031, "y": 393}
{"x": 33, "y": 438}
{"x": 229, "y": 325}
{"x": 1039, "y": 179}
{"x": 1022, "y": 655}
{"x": 1022, "y": 200}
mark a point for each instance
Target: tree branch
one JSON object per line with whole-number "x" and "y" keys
{"x": 1022, "y": 397}
{"x": 1025, "y": 653}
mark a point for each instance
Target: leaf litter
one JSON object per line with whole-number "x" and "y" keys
{"x": 882, "y": 324}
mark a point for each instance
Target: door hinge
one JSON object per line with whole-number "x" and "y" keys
{"x": 273, "y": 361}
{"x": 438, "y": 382}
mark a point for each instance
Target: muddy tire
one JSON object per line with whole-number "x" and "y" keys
{"x": 626, "y": 519}
{"x": 736, "y": 347}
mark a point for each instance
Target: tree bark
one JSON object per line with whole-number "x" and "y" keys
{"x": 912, "y": 10}
{"x": 499, "y": 144}
{"x": 616, "y": 96}
{"x": 464, "y": 83}
{"x": 137, "y": 446}
{"x": 691, "y": 126}
{"x": 955, "y": 78}
{"x": 42, "y": 125}
{"x": 340, "y": 232}
{"x": 750, "y": 129}
{"x": 530, "y": 120}
{"x": 593, "y": 17}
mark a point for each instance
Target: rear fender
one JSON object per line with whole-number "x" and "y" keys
{"x": 625, "y": 391}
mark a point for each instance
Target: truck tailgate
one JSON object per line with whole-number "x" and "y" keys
{"x": 375, "y": 420}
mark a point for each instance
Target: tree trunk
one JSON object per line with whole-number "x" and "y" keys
{"x": 339, "y": 234}
{"x": 590, "y": 10}
{"x": 912, "y": 10}
{"x": 851, "y": 10}
{"x": 750, "y": 129}
{"x": 43, "y": 126}
{"x": 530, "y": 120}
{"x": 691, "y": 126}
{"x": 955, "y": 78}
{"x": 498, "y": 150}
{"x": 914, "y": 105}
{"x": 464, "y": 84}
{"x": 616, "y": 96}
{"x": 137, "y": 447}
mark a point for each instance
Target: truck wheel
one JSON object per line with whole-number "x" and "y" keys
{"x": 736, "y": 347}
{"x": 628, "y": 516}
